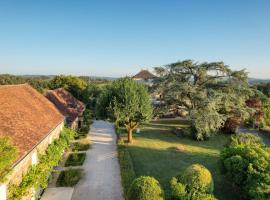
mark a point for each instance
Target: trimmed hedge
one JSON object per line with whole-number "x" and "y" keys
{"x": 69, "y": 178}
{"x": 126, "y": 166}
{"x": 195, "y": 183}
{"x": 198, "y": 178}
{"x": 75, "y": 159}
{"x": 145, "y": 188}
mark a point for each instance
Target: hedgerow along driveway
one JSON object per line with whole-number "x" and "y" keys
{"x": 102, "y": 180}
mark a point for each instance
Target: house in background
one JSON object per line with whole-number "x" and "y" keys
{"x": 68, "y": 105}
{"x": 32, "y": 122}
{"x": 144, "y": 76}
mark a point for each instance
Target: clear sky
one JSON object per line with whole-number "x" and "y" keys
{"x": 115, "y": 38}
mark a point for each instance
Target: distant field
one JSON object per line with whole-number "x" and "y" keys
{"x": 157, "y": 152}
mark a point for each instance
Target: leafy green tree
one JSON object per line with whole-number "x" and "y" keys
{"x": 248, "y": 165}
{"x": 76, "y": 86}
{"x": 126, "y": 102}
{"x": 8, "y": 154}
{"x": 210, "y": 92}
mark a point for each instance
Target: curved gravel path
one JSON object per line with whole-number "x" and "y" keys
{"x": 102, "y": 180}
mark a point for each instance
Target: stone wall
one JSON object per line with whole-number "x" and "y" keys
{"x": 22, "y": 166}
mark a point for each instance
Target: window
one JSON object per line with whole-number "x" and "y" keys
{"x": 34, "y": 158}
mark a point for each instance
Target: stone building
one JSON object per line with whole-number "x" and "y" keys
{"x": 144, "y": 76}
{"x": 68, "y": 105}
{"x": 32, "y": 122}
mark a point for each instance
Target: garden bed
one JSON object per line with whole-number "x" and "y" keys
{"x": 69, "y": 178}
{"x": 75, "y": 159}
{"x": 79, "y": 146}
{"x": 158, "y": 153}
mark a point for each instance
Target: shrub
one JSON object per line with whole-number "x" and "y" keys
{"x": 75, "y": 159}
{"x": 197, "y": 177}
{"x": 145, "y": 188}
{"x": 195, "y": 183}
{"x": 69, "y": 177}
{"x": 232, "y": 125}
{"x": 244, "y": 139}
{"x": 80, "y": 146}
{"x": 126, "y": 165}
{"x": 248, "y": 166}
{"x": 178, "y": 190}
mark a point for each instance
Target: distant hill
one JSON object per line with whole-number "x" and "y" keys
{"x": 254, "y": 81}
{"x": 51, "y": 76}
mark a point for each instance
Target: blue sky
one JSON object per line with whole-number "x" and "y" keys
{"x": 116, "y": 38}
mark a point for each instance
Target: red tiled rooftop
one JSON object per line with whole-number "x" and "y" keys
{"x": 68, "y": 105}
{"x": 26, "y": 116}
{"x": 144, "y": 74}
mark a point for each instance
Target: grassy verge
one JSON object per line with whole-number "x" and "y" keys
{"x": 75, "y": 159}
{"x": 126, "y": 164}
{"x": 159, "y": 153}
{"x": 69, "y": 178}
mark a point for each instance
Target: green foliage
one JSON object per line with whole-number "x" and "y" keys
{"x": 75, "y": 159}
{"x": 195, "y": 183}
{"x": 87, "y": 121}
{"x": 127, "y": 102}
{"x": 80, "y": 146}
{"x": 69, "y": 178}
{"x": 8, "y": 154}
{"x": 37, "y": 175}
{"x": 244, "y": 139}
{"x": 40, "y": 83}
{"x": 267, "y": 115}
{"x": 126, "y": 165}
{"x": 248, "y": 166}
{"x": 178, "y": 190}
{"x": 145, "y": 188}
{"x": 103, "y": 103}
{"x": 197, "y": 177}
{"x": 73, "y": 84}
{"x": 210, "y": 92}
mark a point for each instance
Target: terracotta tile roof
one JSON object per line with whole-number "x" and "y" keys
{"x": 26, "y": 116}
{"x": 68, "y": 105}
{"x": 144, "y": 74}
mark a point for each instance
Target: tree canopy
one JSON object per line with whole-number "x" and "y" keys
{"x": 210, "y": 92}
{"x": 127, "y": 103}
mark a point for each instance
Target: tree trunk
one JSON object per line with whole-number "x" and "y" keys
{"x": 130, "y": 135}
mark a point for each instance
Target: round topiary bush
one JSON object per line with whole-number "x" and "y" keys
{"x": 145, "y": 188}
{"x": 197, "y": 177}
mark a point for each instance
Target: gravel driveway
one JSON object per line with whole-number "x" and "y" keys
{"x": 102, "y": 179}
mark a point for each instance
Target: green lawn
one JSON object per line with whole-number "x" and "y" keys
{"x": 157, "y": 152}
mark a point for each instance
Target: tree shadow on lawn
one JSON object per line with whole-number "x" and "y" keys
{"x": 163, "y": 164}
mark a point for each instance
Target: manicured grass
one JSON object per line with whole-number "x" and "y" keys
{"x": 126, "y": 165}
{"x": 75, "y": 159}
{"x": 157, "y": 152}
{"x": 69, "y": 178}
{"x": 78, "y": 146}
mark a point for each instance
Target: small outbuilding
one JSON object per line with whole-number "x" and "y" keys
{"x": 68, "y": 105}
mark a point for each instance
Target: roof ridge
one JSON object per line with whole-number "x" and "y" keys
{"x": 15, "y": 85}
